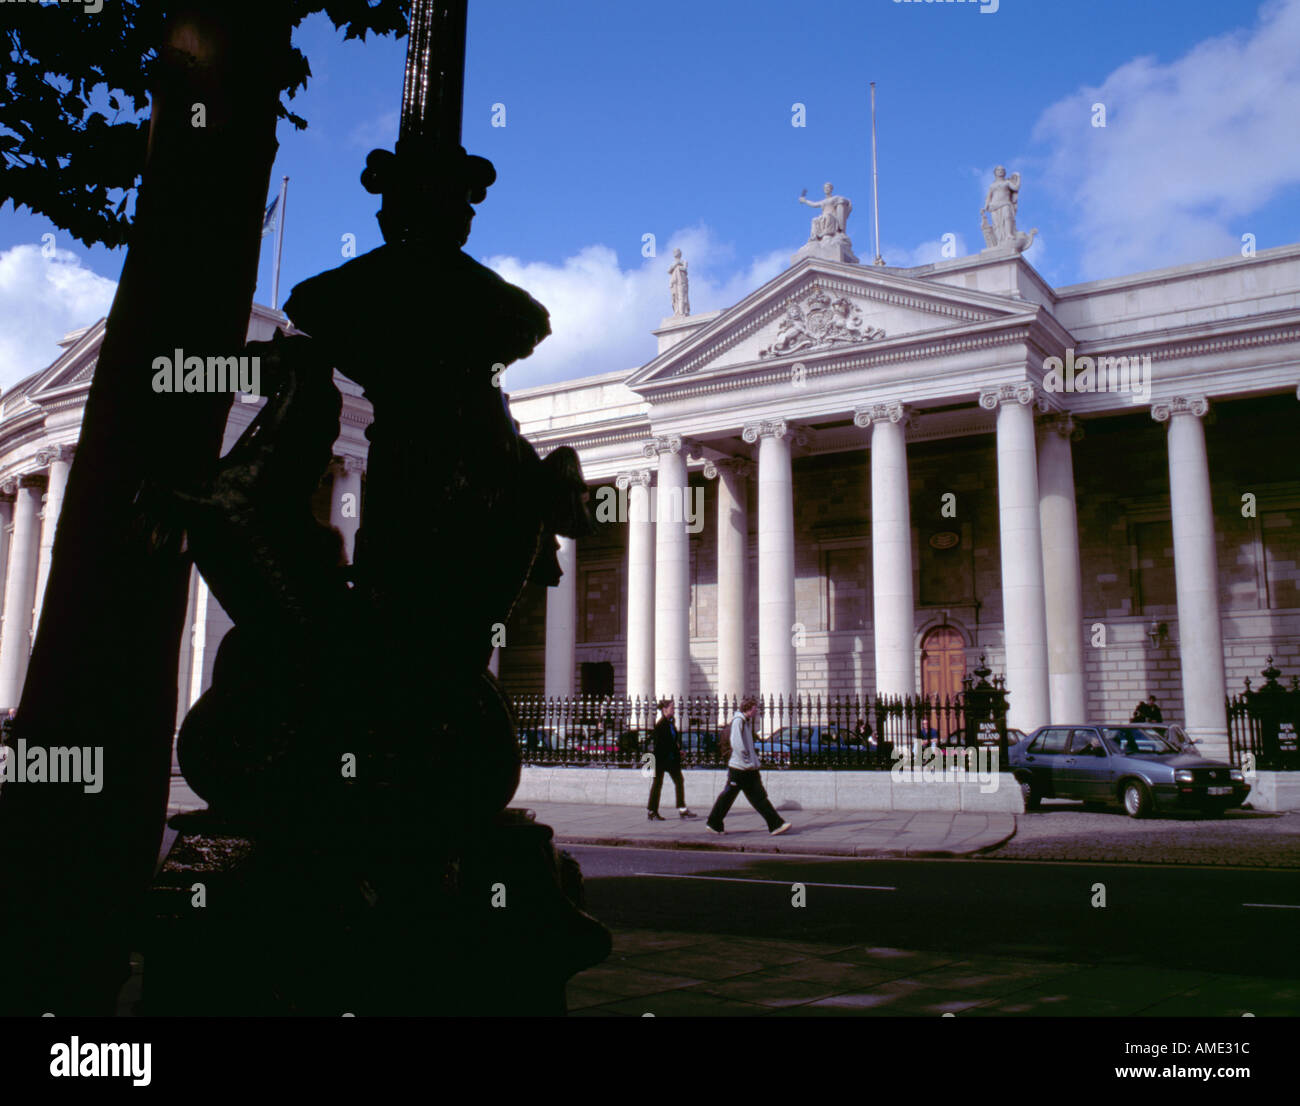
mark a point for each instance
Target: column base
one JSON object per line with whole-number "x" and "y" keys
{"x": 1210, "y": 742}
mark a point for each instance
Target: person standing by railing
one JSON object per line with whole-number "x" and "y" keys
{"x": 742, "y": 774}
{"x": 667, "y": 745}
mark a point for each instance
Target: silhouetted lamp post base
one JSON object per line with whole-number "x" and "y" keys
{"x": 357, "y": 756}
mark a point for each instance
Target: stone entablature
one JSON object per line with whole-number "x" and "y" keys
{"x": 951, "y": 330}
{"x": 1211, "y": 293}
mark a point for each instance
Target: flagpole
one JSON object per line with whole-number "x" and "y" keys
{"x": 875, "y": 177}
{"x": 279, "y": 243}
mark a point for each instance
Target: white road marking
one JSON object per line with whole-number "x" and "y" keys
{"x": 779, "y": 882}
{"x": 1274, "y": 905}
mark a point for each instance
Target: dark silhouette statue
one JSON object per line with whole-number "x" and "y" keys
{"x": 353, "y": 745}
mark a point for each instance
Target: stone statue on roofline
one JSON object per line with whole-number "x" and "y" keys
{"x": 828, "y": 238}
{"x": 679, "y": 286}
{"x": 1000, "y": 206}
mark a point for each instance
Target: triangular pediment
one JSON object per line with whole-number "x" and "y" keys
{"x": 74, "y": 368}
{"x": 821, "y": 308}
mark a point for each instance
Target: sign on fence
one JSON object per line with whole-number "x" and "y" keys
{"x": 1286, "y": 738}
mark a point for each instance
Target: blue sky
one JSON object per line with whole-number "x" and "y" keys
{"x": 674, "y": 119}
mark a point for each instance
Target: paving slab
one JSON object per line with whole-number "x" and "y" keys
{"x": 1062, "y": 831}
{"x": 758, "y": 977}
{"x": 814, "y": 833}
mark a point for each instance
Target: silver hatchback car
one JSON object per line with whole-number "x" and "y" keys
{"x": 1133, "y": 764}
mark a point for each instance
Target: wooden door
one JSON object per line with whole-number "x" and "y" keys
{"x": 943, "y": 665}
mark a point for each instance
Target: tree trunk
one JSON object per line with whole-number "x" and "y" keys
{"x": 73, "y": 865}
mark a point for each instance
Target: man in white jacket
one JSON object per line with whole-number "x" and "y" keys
{"x": 742, "y": 774}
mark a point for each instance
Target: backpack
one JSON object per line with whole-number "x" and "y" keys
{"x": 724, "y": 741}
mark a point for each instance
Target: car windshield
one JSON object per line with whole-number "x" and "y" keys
{"x": 1135, "y": 741}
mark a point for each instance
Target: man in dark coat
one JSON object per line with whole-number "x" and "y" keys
{"x": 1148, "y": 711}
{"x": 667, "y": 747}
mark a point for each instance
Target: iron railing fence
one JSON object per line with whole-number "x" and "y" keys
{"x": 1243, "y": 733}
{"x": 1265, "y": 734}
{"x": 1263, "y": 724}
{"x": 804, "y": 731}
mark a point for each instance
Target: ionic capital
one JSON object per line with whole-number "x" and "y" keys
{"x": 892, "y": 411}
{"x": 774, "y": 428}
{"x": 1026, "y": 393}
{"x": 1062, "y": 424}
{"x": 625, "y": 480}
{"x": 49, "y": 454}
{"x": 348, "y": 466}
{"x": 662, "y": 443}
{"x": 738, "y": 466}
{"x": 1166, "y": 409}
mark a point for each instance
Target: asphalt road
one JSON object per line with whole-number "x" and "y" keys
{"x": 1232, "y": 920}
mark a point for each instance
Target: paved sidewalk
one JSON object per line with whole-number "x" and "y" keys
{"x": 1062, "y": 831}
{"x": 815, "y": 832}
{"x": 693, "y": 974}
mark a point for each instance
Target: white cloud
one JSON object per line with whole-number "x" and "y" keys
{"x": 602, "y": 314}
{"x": 41, "y": 299}
{"x": 1191, "y": 149}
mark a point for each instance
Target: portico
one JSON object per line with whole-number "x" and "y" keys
{"x": 856, "y": 481}
{"x": 834, "y": 367}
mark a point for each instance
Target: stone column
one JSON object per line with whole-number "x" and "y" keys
{"x": 1062, "y": 578}
{"x": 672, "y": 569}
{"x": 185, "y": 657}
{"x": 59, "y": 459}
{"x": 1024, "y": 617}
{"x": 1196, "y": 573}
{"x": 893, "y": 619}
{"x": 733, "y": 564}
{"x": 6, "y": 541}
{"x": 20, "y": 589}
{"x": 776, "y": 628}
{"x": 345, "y": 500}
{"x": 562, "y": 623}
{"x": 640, "y": 585}
{"x": 200, "y": 662}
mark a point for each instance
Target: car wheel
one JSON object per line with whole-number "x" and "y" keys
{"x": 1031, "y": 796}
{"x": 1136, "y": 799}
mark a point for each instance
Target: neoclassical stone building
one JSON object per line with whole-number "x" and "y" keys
{"x": 40, "y": 423}
{"x": 860, "y": 478}
{"x": 897, "y": 477}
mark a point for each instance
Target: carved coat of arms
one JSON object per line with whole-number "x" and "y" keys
{"x": 817, "y": 321}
